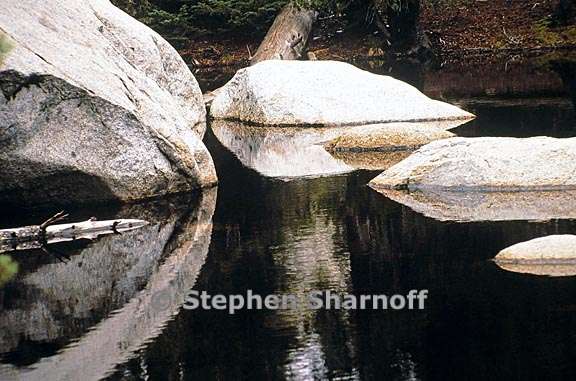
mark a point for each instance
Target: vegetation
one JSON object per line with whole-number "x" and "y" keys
{"x": 546, "y": 35}
{"x": 498, "y": 25}
{"x": 5, "y": 47}
{"x": 8, "y": 269}
{"x": 186, "y": 17}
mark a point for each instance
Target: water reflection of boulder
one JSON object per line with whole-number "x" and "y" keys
{"x": 145, "y": 273}
{"x": 284, "y": 152}
{"x": 289, "y": 152}
{"x": 487, "y": 206}
{"x": 300, "y": 253}
{"x": 335, "y": 233}
{"x": 544, "y": 269}
{"x": 475, "y": 309}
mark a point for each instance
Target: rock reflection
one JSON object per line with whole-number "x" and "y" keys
{"x": 145, "y": 272}
{"x": 487, "y": 206}
{"x": 334, "y": 233}
{"x": 545, "y": 269}
{"x": 310, "y": 260}
{"x": 475, "y": 309}
{"x": 283, "y": 152}
{"x": 293, "y": 152}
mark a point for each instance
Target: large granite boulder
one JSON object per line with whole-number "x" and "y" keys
{"x": 94, "y": 105}
{"x": 323, "y": 93}
{"x": 486, "y": 164}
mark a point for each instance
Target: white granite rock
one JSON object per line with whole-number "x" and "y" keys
{"x": 550, "y": 248}
{"x": 324, "y": 93}
{"x": 486, "y": 164}
{"x": 94, "y": 105}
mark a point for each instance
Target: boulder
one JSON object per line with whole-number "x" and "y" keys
{"x": 94, "y": 105}
{"x": 550, "y": 248}
{"x": 486, "y": 164}
{"x": 324, "y": 93}
{"x": 553, "y": 255}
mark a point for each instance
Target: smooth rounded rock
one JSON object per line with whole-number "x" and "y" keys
{"x": 94, "y": 105}
{"x": 324, "y": 93}
{"x": 550, "y": 248}
{"x": 486, "y": 164}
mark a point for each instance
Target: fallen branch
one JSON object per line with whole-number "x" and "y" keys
{"x": 288, "y": 36}
{"x": 38, "y": 236}
{"x": 286, "y": 40}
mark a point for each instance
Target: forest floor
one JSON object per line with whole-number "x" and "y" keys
{"x": 456, "y": 28}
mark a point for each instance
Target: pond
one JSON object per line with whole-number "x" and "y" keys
{"x": 115, "y": 310}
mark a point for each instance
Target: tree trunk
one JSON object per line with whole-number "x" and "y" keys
{"x": 399, "y": 23}
{"x": 565, "y": 11}
{"x": 404, "y": 23}
{"x": 286, "y": 39}
{"x": 288, "y": 36}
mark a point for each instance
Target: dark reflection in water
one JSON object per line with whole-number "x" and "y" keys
{"x": 276, "y": 237}
{"x": 520, "y": 118}
{"x": 79, "y": 319}
{"x": 334, "y": 233}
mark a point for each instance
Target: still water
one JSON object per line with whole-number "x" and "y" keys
{"x": 114, "y": 311}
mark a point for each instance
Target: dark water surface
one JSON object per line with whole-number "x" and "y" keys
{"x": 115, "y": 310}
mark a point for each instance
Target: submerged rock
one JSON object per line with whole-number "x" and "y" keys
{"x": 95, "y": 105}
{"x": 391, "y": 137}
{"x": 486, "y": 164}
{"x": 380, "y": 146}
{"x": 553, "y": 255}
{"x": 324, "y": 93}
{"x": 371, "y": 160}
{"x": 445, "y": 205}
